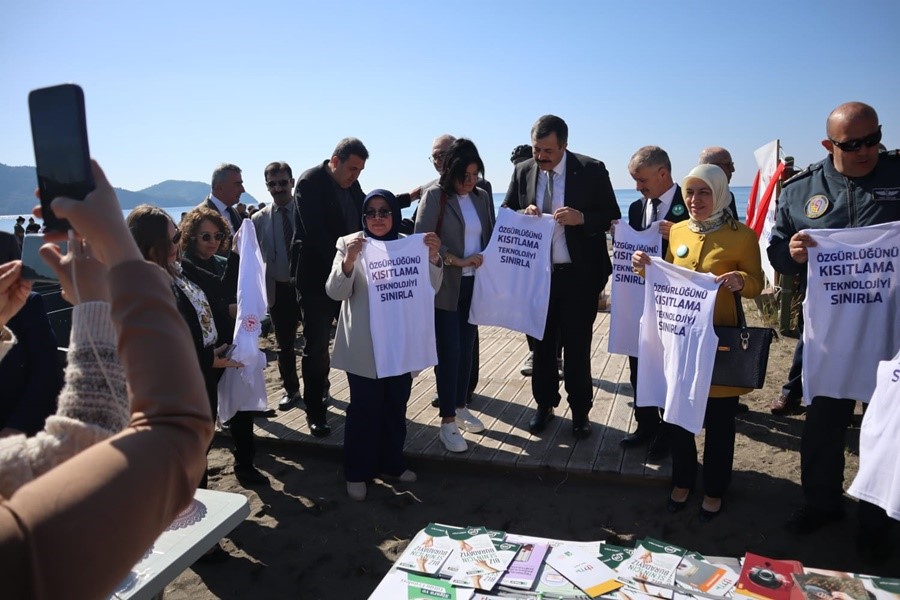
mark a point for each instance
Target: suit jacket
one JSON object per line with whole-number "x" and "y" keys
{"x": 353, "y": 348}
{"x": 318, "y": 225}
{"x": 677, "y": 213}
{"x": 452, "y": 234}
{"x": 588, "y": 190}
{"x": 264, "y": 223}
{"x": 230, "y": 215}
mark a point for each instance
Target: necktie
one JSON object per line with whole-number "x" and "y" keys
{"x": 548, "y": 194}
{"x": 654, "y": 212}
{"x": 234, "y": 218}
{"x": 286, "y": 228}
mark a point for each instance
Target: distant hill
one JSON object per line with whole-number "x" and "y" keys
{"x": 17, "y": 186}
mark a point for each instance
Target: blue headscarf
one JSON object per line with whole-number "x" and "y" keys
{"x": 393, "y": 204}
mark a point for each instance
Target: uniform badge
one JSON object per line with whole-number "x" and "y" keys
{"x": 816, "y": 206}
{"x": 886, "y": 194}
{"x": 678, "y": 210}
{"x": 681, "y": 251}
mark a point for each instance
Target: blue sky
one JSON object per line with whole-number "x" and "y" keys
{"x": 173, "y": 88}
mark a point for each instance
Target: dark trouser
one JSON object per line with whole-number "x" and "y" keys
{"x": 822, "y": 452}
{"x": 375, "y": 429}
{"x": 794, "y": 386}
{"x": 874, "y": 521}
{"x": 455, "y": 338}
{"x": 318, "y": 314}
{"x": 473, "y": 374}
{"x": 570, "y": 318}
{"x": 718, "y": 449}
{"x": 532, "y": 341}
{"x": 241, "y": 424}
{"x": 647, "y": 417}
{"x": 285, "y": 313}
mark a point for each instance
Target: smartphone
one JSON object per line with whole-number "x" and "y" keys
{"x": 33, "y": 266}
{"x": 61, "y": 154}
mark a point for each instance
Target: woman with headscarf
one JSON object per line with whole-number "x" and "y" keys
{"x": 710, "y": 241}
{"x": 375, "y": 429}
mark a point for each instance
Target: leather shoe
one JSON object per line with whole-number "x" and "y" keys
{"x": 638, "y": 438}
{"x": 807, "y": 519}
{"x": 319, "y": 429}
{"x": 784, "y": 405}
{"x": 659, "y": 448}
{"x": 540, "y": 419}
{"x": 288, "y": 401}
{"x": 673, "y": 506}
{"x": 249, "y": 475}
{"x": 581, "y": 428}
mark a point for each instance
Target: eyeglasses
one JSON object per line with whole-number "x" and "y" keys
{"x": 854, "y": 145}
{"x": 279, "y": 183}
{"x": 436, "y": 157}
{"x": 176, "y": 238}
{"x": 219, "y": 236}
{"x": 381, "y": 213}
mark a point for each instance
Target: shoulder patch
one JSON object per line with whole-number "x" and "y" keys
{"x": 817, "y": 206}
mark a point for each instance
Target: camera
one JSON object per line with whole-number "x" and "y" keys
{"x": 765, "y": 578}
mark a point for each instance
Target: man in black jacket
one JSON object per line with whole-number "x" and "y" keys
{"x": 329, "y": 205}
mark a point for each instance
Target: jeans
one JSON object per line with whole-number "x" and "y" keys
{"x": 455, "y": 338}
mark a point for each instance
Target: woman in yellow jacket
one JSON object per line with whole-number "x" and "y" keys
{"x": 711, "y": 241}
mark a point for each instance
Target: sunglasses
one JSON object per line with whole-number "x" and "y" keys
{"x": 854, "y": 145}
{"x": 206, "y": 237}
{"x": 279, "y": 183}
{"x": 381, "y": 213}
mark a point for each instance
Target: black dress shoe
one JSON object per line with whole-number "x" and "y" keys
{"x": 540, "y": 419}
{"x": 659, "y": 448}
{"x": 807, "y": 519}
{"x": 319, "y": 429}
{"x": 249, "y": 475}
{"x": 673, "y": 506}
{"x": 706, "y": 516}
{"x": 581, "y": 428}
{"x": 288, "y": 401}
{"x": 638, "y": 438}
{"x": 435, "y": 401}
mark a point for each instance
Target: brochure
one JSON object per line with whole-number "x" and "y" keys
{"x": 505, "y": 552}
{"x": 582, "y": 568}
{"x": 652, "y": 561}
{"x": 816, "y": 586}
{"x": 428, "y": 550}
{"x": 767, "y": 578}
{"x": 523, "y": 570}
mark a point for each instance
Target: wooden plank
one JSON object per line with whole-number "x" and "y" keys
{"x": 502, "y": 446}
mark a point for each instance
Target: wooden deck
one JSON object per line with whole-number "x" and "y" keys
{"x": 503, "y": 401}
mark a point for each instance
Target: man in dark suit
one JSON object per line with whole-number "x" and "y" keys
{"x": 660, "y": 201}
{"x": 329, "y": 205}
{"x": 716, "y": 155}
{"x": 577, "y": 191}
{"x": 227, "y": 187}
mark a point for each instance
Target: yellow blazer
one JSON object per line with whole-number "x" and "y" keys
{"x": 718, "y": 252}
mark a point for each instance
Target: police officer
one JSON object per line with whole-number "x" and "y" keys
{"x": 852, "y": 187}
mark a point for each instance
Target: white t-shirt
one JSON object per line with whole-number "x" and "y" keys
{"x": 878, "y": 479}
{"x": 472, "y": 232}
{"x": 678, "y": 344}
{"x": 851, "y": 312}
{"x": 512, "y": 286}
{"x": 627, "y": 294}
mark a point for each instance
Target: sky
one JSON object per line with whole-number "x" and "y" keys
{"x": 175, "y": 88}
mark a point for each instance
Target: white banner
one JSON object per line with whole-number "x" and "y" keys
{"x": 512, "y": 286}
{"x": 678, "y": 343}
{"x": 401, "y": 305}
{"x": 851, "y": 314}
{"x": 767, "y": 162}
{"x": 245, "y": 388}
{"x": 627, "y": 296}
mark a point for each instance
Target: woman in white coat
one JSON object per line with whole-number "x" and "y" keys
{"x": 375, "y": 430}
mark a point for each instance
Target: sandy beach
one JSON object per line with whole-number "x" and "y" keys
{"x": 306, "y": 539}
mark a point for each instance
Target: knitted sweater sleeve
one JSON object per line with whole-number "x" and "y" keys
{"x": 93, "y": 404}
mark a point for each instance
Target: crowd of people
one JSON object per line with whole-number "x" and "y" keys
{"x": 155, "y": 297}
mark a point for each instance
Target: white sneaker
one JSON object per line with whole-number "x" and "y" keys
{"x": 466, "y": 421}
{"x": 452, "y": 439}
{"x": 356, "y": 490}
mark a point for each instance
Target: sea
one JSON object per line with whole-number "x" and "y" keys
{"x": 624, "y": 197}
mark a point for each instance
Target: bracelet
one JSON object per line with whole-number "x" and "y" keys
{"x": 448, "y": 260}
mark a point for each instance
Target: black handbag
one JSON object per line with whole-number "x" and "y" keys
{"x": 742, "y": 354}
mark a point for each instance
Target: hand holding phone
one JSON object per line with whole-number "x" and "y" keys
{"x": 61, "y": 153}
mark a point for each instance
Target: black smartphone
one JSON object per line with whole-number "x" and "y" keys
{"x": 61, "y": 154}
{"x": 33, "y": 266}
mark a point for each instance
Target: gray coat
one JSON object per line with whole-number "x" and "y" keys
{"x": 353, "y": 349}
{"x": 452, "y": 234}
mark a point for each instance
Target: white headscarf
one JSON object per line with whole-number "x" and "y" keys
{"x": 715, "y": 178}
